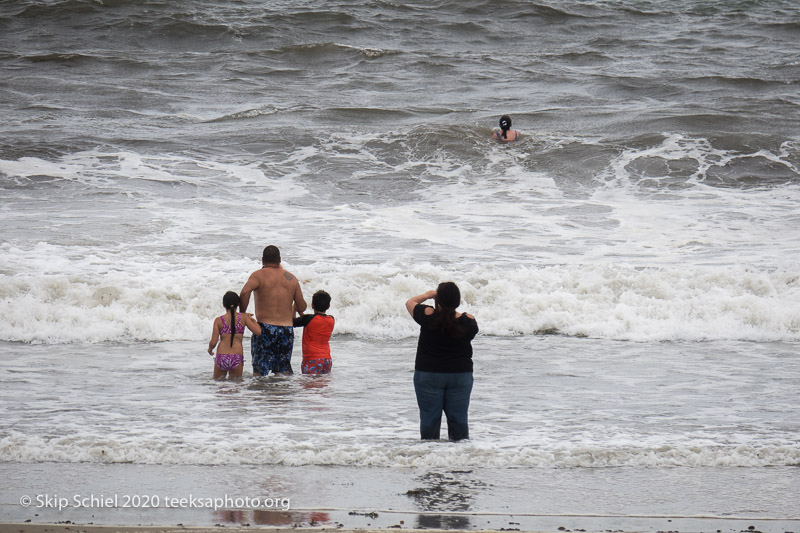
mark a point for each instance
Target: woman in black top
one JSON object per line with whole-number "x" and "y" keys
{"x": 443, "y": 368}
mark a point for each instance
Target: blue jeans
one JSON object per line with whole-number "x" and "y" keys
{"x": 448, "y": 392}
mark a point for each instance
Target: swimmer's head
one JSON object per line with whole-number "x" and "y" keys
{"x": 321, "y": 301}
{"x": 505, "y": 125}
{"x": 230, "y": 300}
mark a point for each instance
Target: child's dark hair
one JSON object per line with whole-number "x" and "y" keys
{"x": 448, "y": 297}
{"x": 231, "y": 301}
{"x": 505, "y": 125}
{"x": 321, "y": 301}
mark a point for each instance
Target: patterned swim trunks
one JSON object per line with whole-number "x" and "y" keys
{"x": 272, "y": 350}
{"x": 317, "y": 366}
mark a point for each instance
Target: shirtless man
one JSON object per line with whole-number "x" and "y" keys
{"x": 277, "y": 294}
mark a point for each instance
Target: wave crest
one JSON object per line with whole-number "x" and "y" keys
{"x": 139, "y": 302}
{"x": 402, "y": 454}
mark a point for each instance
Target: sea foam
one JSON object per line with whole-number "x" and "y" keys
{"x": 18, "y": 447}
{"x": 108, "y": 299}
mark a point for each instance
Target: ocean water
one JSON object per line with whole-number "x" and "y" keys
{"x": 632, "y": 261}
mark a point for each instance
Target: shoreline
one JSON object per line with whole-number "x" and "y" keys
{"x": 365, "y": 500}
{"x": 57, "y": 498}
{"x": 644, "y": 525}
{"x": 530, "y": 467}
{"x": 91, "y": 528}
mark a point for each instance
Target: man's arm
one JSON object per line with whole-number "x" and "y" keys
{"x": 299, "y": 302}
{"x": 244, "y": 296}
{"x": 251, "y": 324}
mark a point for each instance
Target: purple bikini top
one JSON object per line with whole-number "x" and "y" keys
{"x": 226, "y": 329}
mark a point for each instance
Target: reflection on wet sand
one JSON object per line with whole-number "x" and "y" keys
{"x": 271, "y": 518}
{"x": 438, "y": 521}
{"x": 450, "y": 491}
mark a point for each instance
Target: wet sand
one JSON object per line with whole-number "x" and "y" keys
{"x": 75, "y": 528}
{"x": 56, "y": 498}
{"x": 91, "y": 528}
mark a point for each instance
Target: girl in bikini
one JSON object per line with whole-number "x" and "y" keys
{"x": 228, "y": 332}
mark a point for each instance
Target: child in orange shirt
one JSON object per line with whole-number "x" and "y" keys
{"x": 316, "y": 335}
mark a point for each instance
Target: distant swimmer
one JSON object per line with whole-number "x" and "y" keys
{"x": 506, "y": 134}
{"x": 277, "y": 295}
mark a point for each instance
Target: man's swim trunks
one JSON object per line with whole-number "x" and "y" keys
{"x": 228, "y": 361}
{"x": 317, "y": 366}
{"x": 272, "y": 350}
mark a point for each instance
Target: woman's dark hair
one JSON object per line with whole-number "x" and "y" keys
{"x": 230, "y": 301}
{"x": 505, "y": 125}
{"x": 321, "y": 301}
{"x": 448, "y": 297}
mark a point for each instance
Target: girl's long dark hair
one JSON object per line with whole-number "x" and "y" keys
{"x": 231, "y": 301}
{"x": 448, "y": 297}
{"x": 505, "y": 125}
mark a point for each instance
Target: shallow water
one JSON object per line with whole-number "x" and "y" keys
{"x": 554, "y": 402}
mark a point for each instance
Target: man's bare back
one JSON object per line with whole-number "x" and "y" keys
{"x": 276, "y": 291}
